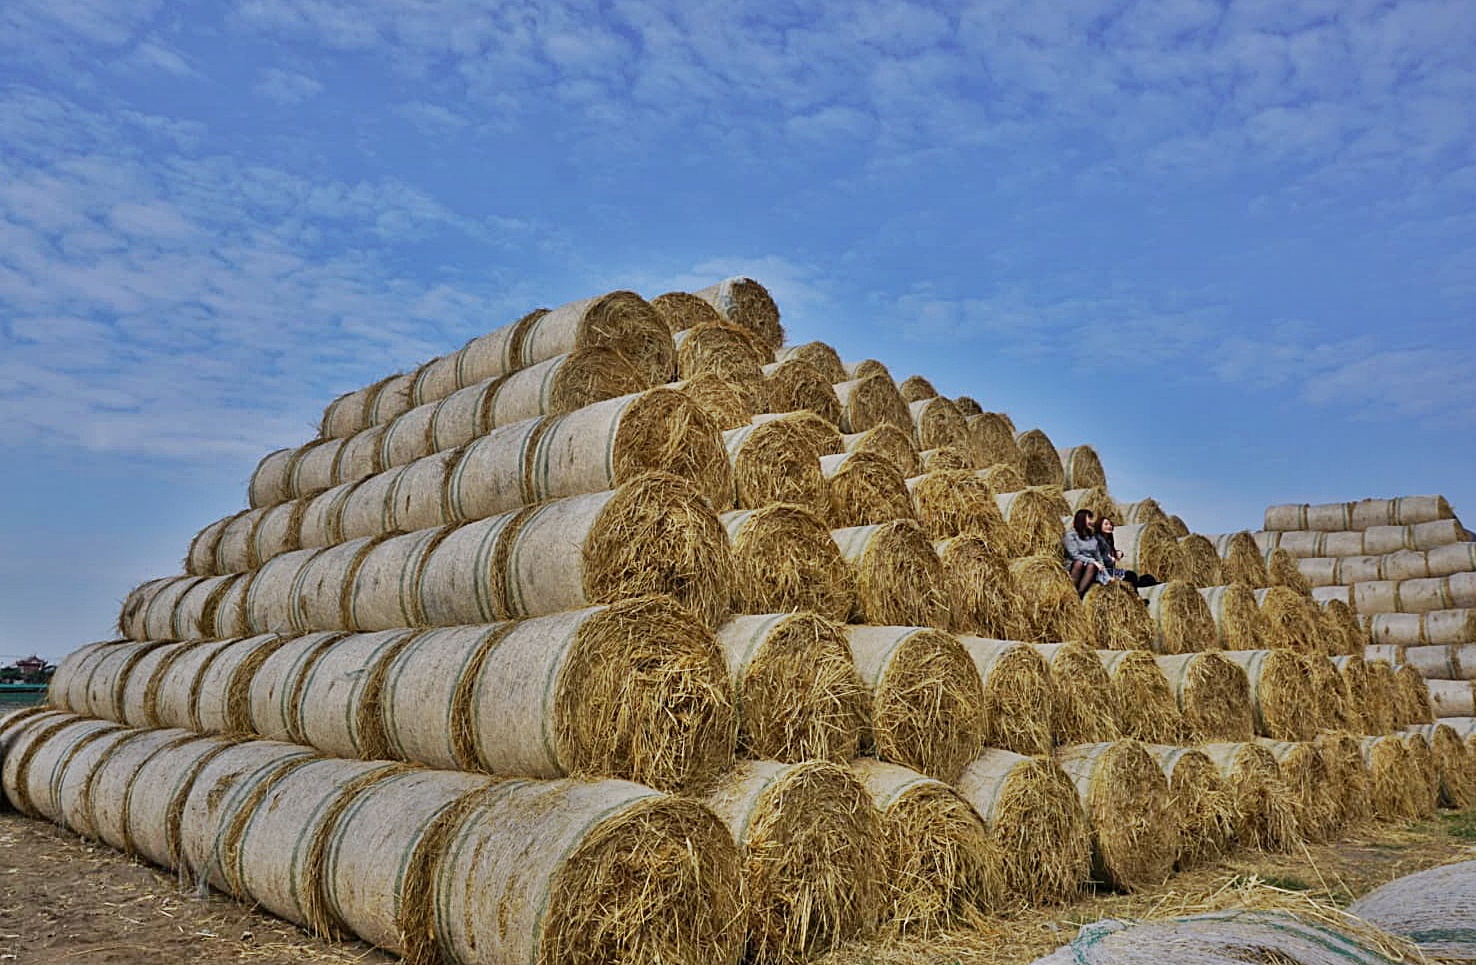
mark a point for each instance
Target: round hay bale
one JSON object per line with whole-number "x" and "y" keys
{"x": 683, "y": 310}
{"x": 1379, "y": 695}
{"x": 747, "y": 304}
{"x": 1031, "y": 807}
{"x": 69, "y": 802}
{"x": 1213, "y": 695}
{"x": 992, "y": 435}
{"x": 176, "y": 689}
{"x": 1452, "y": 629}
{"x": 1150, "y": 548}
{"x": 785, "y": 560}
{"x": 1239, "y": 624}
{"x": 1244, "y": 562}
{"x": 322, "y": 518}
{"x": 108, "y": 683}
{"x": 274, "y": 692}
{"x": 778, "y": 462}
{"x": 889, "y": 442}
{"x": 1201, "y": 802}
{"x": 1201, "y": 561}
{"x": 1125, "y": 797}
{"x": 337, "y": 698}
{"x": 1041, "y": 464}
{"x": 1342, "y": 631}
{"x": 280, "y": 530}
{"x": 1145, "y": 704}
{"x": 946, "y": 457}
{"x": 415, "y": 434}
{"x": 942, "y": 867}
{"x": 915, "y": 388}
{"x": 156, "y": 597}
{"x": 138, "y": 703}
{"x": 865, "y": 368}
{"x": 1354, "y": 674}
{"x": 108, "y": 805}
{"x": 868, "y": 402}
{"x": 927, "y": 698}
{"x": 39, "y": 749}
{"x": 1291, "y": 620}
{"x": 1393, "y": 654}
{"x": 155, "y": 798}
{"x": 1046, "y": 605}
{"x": 272, "y": 603}
{"x": 1084, "y": 711}
{"x": 1019, "y": 701}
{"x": 1315, "y": 798}
{"x": 980, "y": 591}
{"x": 1423, "y": 760}
{"x": 1141, "y": 511}
{"x": 938, "y": 424}
{"x": 1034, "y": 518}
{"x": 637, "y": 690}
{"x": 361, "y": 456}
{"x": 201, "y": 558}
{"x": 825, "y": 359}
{"x": 68, "y": 686}
{"x": 811, "y": 851}
{"x": 229, "y": 782}
{"x": 1081, "y": 468}
{"x": 1003, "y": 478}
{"x": 796, "y": 688}
{"x": 1330, "y": 695}
{"x": 268, "y": 483}
{"x": 620, "y": 321}
{"x": 1182, "y": 622}
{"x": 728, "y": 404}
{"x": 1281, "y": 693}
{"x": 379, "y": 593}
{"x": 1411, "y": 698}
{"x": 311, "y": 469}
{"x": 864, "y": 489}
{"x": 1094, "y": 498}
{"x": 553, "y": 387}
{"x": 968, "y": 406}
{"x": 797, "y": 386}
{"x": 897, "y": 575}
{"x": 380, "y": 856}
{"x": 1346, "y": 772}
{"x": 1282, "y": 570}
{"x": 1264, "y": 816}
{"x": 221, "y": 701}
{"x": 951, "y": 502}
{"x": 1457, "y": 783}
{"x": 425, "y": 695}
{"x": 1119, "y": 620}
{"x": 718, "y": 347}
{"x": 1177, "y": 526}
{"x": 1397, "y": 790}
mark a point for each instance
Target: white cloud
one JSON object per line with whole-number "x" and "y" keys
{"x": 287, "y": 87}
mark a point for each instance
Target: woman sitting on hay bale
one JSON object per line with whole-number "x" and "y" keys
{"x": 1111, "y": 554}
{"x": 1091, "y": 555}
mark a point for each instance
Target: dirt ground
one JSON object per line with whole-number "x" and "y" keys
{"x": 63, "y": 900}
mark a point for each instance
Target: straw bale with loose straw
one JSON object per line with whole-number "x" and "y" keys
{"x": 1040, "y": 461}
{"x": 1315, "y": 795}
{"x": 1345, "y": 768}
{"x": 178, "y": 687}
{"x": 407, "y": 817}
{"x": 947, "y": 457}
{"x": 1177, "y": 526}
{"x": 1243, "y": 560}
{"x": 1411, "y": 698}
{"x": 1118, "y": 617}
{"x": 1084, "y": 709}
{"x": 1034, "y": 518}
{"x": 968, "y": 406}
{"x": 1396, "y": 788}
{"x": 1329, "y": 695}
{"x": 1213, "y": 695}
{"x": 336, "y": 700}
{"x": 897, "y": 575}
{"x": 778, "y": 462}
{"x": 140, "y": 694}
{"x": 1031, "y": 807}
{"x": 748, "y": 304}
{"x": 784, "y": 560}
{"x": 1135, "y": 834}
{"x": 1239, "y": 624}
{"x": 915, "y": 388}
{"x": 723, "y": 401}
{"x": 864, "y": 489}
{"x": 1182, "y": 622}
{"x": 620, "y": 320}
{"x": 949, "y": 502}
{"x": 274, "y": 691}
{"x": 811, "y": 849}
{"x": 72, "y": 781}
{"x": 943, "y": 868}
{"x": 1291, "y": 620}
{"x": 68, "y": 687}
{"x": 980, "y": 590}
{"x": 1150, "y": 548}
{"x": 865, "y": 368}
{"x": 1345, "y": 635}
{"x": 822, "y": 356}
{"x": 927, "y": 698}
{"x": 869, "y": 401}
{"x": 1281, "y": 693}
{"x": 1282, "y": 570}
{"x": 796, "y": 688}
{"x": 221, "y": 703}
{"x": 1141, "y": 511}
{"x": 727, "y": 350}
{"x": 1145, "y": 703}
{"x": 38, "y": 750}
{"x": 1201, "y": 802}
{"x": 1081, "y": 468}
{"x": 1003, "y": 478}
{"x": 1094, "y": 498}
{"x": 939, "y": 425}
{"x": 1354, "y": 674}
{"x": 107, "y": 685}
{"x": 109, "y": 793}
{"x": 268, "y": 483}
{"x": 891, "y": 443}
{"x": 796, "y": 386}
{"x": 1047, "y": 609}
{"x": 1423, "y": 760}
{"x": 1019, "y": 699}
{"x": 683, "y": 310}
{"x": 1452, "y": 762}
{"x": 156, "y": 798}
{"x": 993, "y": 438}
{"x": 1379, "y": 696}
{"x": 1265, "y": 818}
{"x": 1202, "y": 565}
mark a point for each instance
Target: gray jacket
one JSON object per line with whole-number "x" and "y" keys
{"x": 1087, "y": 550}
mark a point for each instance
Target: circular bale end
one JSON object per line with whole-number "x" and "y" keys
{"x": 1453, "y": 761}
{"x": 1047, "y": 607}
{"x": 897, "y": 574}
{"x": 1397, "y": 790}
{"x": 778, "y": 461}
{"x": 728, "y": 404}
{"x": 1145, "y": 703}
{"x": 992, "y": 435}
{"x": 1202, "y": 803}
{"x": 1340, "y": 626}
{"x": 1041, "y": 461}
{"x": 947, "y": 457}
{"x": 592, "y": 375}
{"x": 1003, "y": 478}
{"x": 1019, "y": 700}
{"x": 1118, "y": 617}
{"x": 1082, "y": 468}
{"x": 864, "y": 489}
{"x": 1202, "y": 565}
{"x": 1126, "y": 799}
{"x": 1238, "y": 620}
{"x": 1264, "y": 815}
{"x": 797, "y": 386}
{"x": 980, "y": 592}
{"x": 748, "y": 304}
{"x": 785, "y": 560}
{"x": 1034, "y": 516}
{"x": 1411, "y": 698}
{"x": 822, "y": 356}
{"x": 870, "y": 401}
{"x": 1292, "y": 621}
{"x": 1316, "y": 799}
{"x": 1244, "y": 562}
{"x": 1345, "y": 766}
{"x": 939, "y": 425}
{"x": 720, "y": 348}
{"x": 1379, "y": 695}
{"x": 1084, "y": 709}
{"x": 889, "y": 442}
{"x": 915, "y": 388}
{"x": 949, "y": 502}
{"x": 1281, "y": 693}
{"x": 1423, "y": 759}
{"x": 683, "y": 310}
{"x": 1282, "y": 570}
{"x": 664, "y": 431}
{"x": 626, "y": 323}
{"x": 797, "y": 690}
{"x": 1213, "y": 695}
{"x": 1330, "y": 695}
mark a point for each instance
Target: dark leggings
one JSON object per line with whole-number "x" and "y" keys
{"x": 1084, "y": 575}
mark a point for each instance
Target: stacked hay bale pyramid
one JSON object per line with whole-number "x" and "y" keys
{"x": 628, "y": 632}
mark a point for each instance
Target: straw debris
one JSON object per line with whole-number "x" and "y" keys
{"x": 784, "y": 560}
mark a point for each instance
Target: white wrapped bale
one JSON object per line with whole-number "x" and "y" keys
{"x": 178, "y": 685}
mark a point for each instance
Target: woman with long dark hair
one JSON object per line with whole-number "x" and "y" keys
{"x": 1083, "y": 553}
{"x": 1110, "y": 555}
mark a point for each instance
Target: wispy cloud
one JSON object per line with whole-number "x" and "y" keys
{"x": 287, "y": 87}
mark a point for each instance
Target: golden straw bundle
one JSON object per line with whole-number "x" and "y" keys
{"x": 1118, "y": 617}
{"x": 1264, "y": 814}
{"x": 1282, "y": 570}
{"x": 1396, "y": 787}
{"x": 897, "y": 575}
{"x": 1243, "y": 561}
{"x": 927, "y": 699}
{"x": 811, "y": 847}
{"x": 1034, "y": 517}
{"x": 1411, "y": 698}
{"x": 683, "y": 310}
{"x": 1452, "y": 762}
{"x": 1354, "y": 673}
{"x": 947, "y": 457}
{"x": 1345, "y": 766}
{"x": 915, "y": 388}
{"x": 1135, "y": 833}
{"x": 993, "y": 437}
{"x": 1291, "y": 620}
{"x": 746, "y": 303}
{"x": 1081, "y": 468}
{"x": 870, "y": 401}
{"x": 796, "y": 386}
{"x": 778, "y": 461}
{"x": 1150, "y": 548}
{"x": 1423, "y": 759}
{"x": 1239, "y": 624}
{"x": 1202, "y": 565}
{"x": 939, "y": 425}
{"x": 1213, "y": 694}
{"x": 1019, "y": 700}
{"x": 889, "y": 442}
{"x": 954, "y": 501}
{"x": 1003, "y": 478}
{"x": 1182, "y": 621}
{"x": 1314, "y": 796}
{"x": 825, "y": 359}
{"x": 725, "y": 402}
{"x": 1200, "y": 800}
{"x": 1047, "y": 607}
{"x": 1085, "y": 711}
{"x": 1340, "y": 627}
{"x": 1378, "y": 700}
{"x": 1040, "y": 462}
{"x": 1177, "y": 526}
{"x": 784, "y": 559}
{"x": 1032, "y": 809}
{"x": 942, "y": 866}
{"x": 981, "y": 592}
{"x": 968, "y": 406}
{"x": 721, "y": 349}
{"x": 1146, "y": 708}
{"x": 797, "y": 691}
{"x": 1142, "y": 511}
{"x": 1329, "y": 695}
{"x": 867, "y": 368}
{"x": 864, "y": 489}
{"x": 1281, "y": 693}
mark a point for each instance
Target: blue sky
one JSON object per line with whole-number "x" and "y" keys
{"x": 1233, "y": 246}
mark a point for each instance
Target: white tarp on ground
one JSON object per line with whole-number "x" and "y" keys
{"x": 1435, "y": 909}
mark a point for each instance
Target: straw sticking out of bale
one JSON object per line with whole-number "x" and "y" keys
{"x": 1243, "y": 561}
{"x": 1118, "y": 617}
{"x": 818, "y": 354}
{"x": 778, "y": 462}
{"x": 1182, "y": 621}
{"x": 943, "y": 867}
{"x": 810, "y": 844}
{"x": 1281, "y": 693}
{"x": 1314, "y": 796}
{"x": 1041, "y": 462}
{"x": 1201, "y": 801}
{"x": 915, "y": 388}
{"x": 1084, "y": 709}
{"x": 1047, "y": 607}
{"x": 1146, "y": 707}
{"x": 1019, "y": 700}
{"x": 869, "y": 401}
{"x": 1282, "y": 570}
{"x": 1291, "y": 621}
{"x": 1346, "y": 771}
{"x": 1453, "y": 764}
{"x": 797, "y": 691}
{"x": 1340, "y": 623}
{"x": 898, "y": 578}
{"x": 947, "y": 457}
{"x": 720, "y": 348}
{"x": 1032, "y": 809}
{"x": 1378, "y": 698}
{"x": 951, "y": 502}
{"x": 1082, "y": 468}
{"x": 746, "y": 303}
{"x": 980, "y": 590}
{"x": 939, "y": 425}
{"x": 1202, "y": 565}
{"x": 1411, "y": 698}
{"x": 1125, "y": 797}
{"x": 1239, "y": 624}
{"x": 1264, "y": 816}
{"x": 1034, "y": 518}
{"x": 927, "y": 698}
{"x": 1396, "y": 788}
{"x": 796, "y": 386}
{"x": 889, "y": 442}
{"x": 728, "y": 404}
{"x": 1213, "y": 694}
{"x": 1003, "y": 478}
{"x": 1423, "y": 760}
{"x": 784, "y": 559}
{"x": 993, "y": 438}
{"x": 1330, "y": 695}
{"x": 864, "y": 489}
{"x": 866, "y": 368}
{"x": 968, "y": 406}
{"x": 683, "y": 310}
